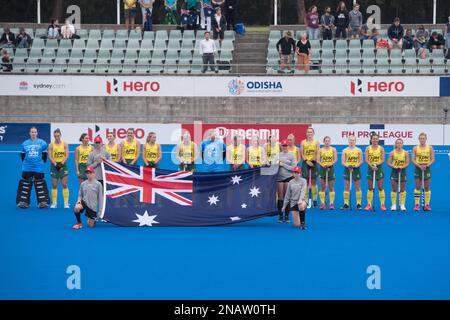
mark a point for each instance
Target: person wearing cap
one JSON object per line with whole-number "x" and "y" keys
{"x": 295, "y": 198}
{"x": 90, "y": 199}
{"x": 286, "y": 162}
{"x": 96, "y": 158}
{"x": 285, "y": 47}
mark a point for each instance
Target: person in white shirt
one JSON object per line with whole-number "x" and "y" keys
{"x": 207, "y": 51}
{"x": 68, "y": 30}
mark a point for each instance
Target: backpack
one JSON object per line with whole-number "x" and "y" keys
{"x": 239, "y": 28}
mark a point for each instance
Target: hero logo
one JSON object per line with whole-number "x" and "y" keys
{"x": 360, "y": 87}
{"x": 131, "y": 86}
{"x": 120, "y": 133}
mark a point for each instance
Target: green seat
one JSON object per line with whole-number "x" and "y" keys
{"x": 35, "y": 53}
{"x": 52, "y": 44}
{"x": 368, "y": 45}
{"x": 145, "y": 55}
{"x": 106, "y": 45}
{"x": 227, "y": 45}
{"x": 79, "y": 44}
{"x": 354, "y": 45}
{"x": 19, "y": 64}
{"x": 103, "y": 57}
{"x": 133, "y": 45}
{"x": 410, "y": 54}
{"x": 170, "y": 66}
{"x": 368, "y": 67}
{"x": 439, "y": 66}
{"x": 149, "y": 35}
{"x": 187, "y": 45}
{"x": 49, "y": 53}
{"x": 173, "y": 45}
{"x": 175, "y": 35}
{"x": 196, "y": 66}
{"x": 327, "y": 68}
{"x": 275, "y": 35}
{"x": 95, "y": 34}
{"x": 109, "y": 34}
{"x": 129, "y": 68}
{"x": 327, "y": 45}
{"x": 437, "y": 54}
{"x": 147, "y": 44}
{"x": 83, "y": 33}
{"x": 131, "y": 56}
{"x": 40, "y": 32}
{"x": 101, "y": 68}
{"x": 46, "y": 65}
{"x": 226, "y": 55}
{"x": 383, "y": 67}
{"x": 424, "y": 66}
{"x": 74, "y": 60}
{"x": 394, "y": 55}
{"x": 120, "y": 44}
{"x": 340, "y": 55}
{"x": 159, "y": 44}
{"x": 32, "y": 65}
{"x": 92, "y": 44}
{"x": 65, "y": 44}
{"x": 315, "y": 45}
{"x": 20, "y": 53}
{"x": 90, "y": 54}
{"x": 341, "y": 45}
{"x": 229, "y": 34}
{"x": 117, "y": 55}
{"x": 122, "y": 34}
{"x": 172, "y": 55}
{"x": 184, "y": 66}
{"x": 368, "y": 55}
{"x": 397, "y": 66}
{"x": 188, "y": 35}
{"x": 158, "y": 55}
{"x": 142, "y": 66}
{"x": 157, "y": 66}
{"x": 59, "y": 66}
{"x": 329, "y": 55}
{"x": 161, "y": 35}
{"x": 88, "y": 65}
{"x": 382, "y": 55}
{"x": 38, "y": 43}
{"x": 185, "y": 55}
{"x": 73, "y": 68}
{"x": 354, "y": 56}
{"x": 115, "y": 66}
{"x": 135, "y": 35}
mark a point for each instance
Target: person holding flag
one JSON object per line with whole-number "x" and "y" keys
{"x": 130, "y": 148}
{"x": 327, "y": 158}
{"x": 236, "y": 154}
{"x": 375, "y": 157}
{"x": 273, "y": 148}
{"x": 398, "y": 160}
{"x": 81, "y": 157}
{"x": 113, "y": 148}
{"x": 256, "y": 157}
{"x": 423, "y": 158}
{"x": 187, "y": 153}
{"x": 151, "y": 151}
{"x": 351, "y": 160}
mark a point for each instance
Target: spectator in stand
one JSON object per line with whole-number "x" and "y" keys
{"x": 53, "y": 30}
{"x": 129, "y": 12}
{"x": 422, "y": 36}
{"x": 369, "y": 34}
{"x": 341, "y": 20}
{"x": 436, "y": 41}
{"x": 285, "y": 47}
{"x": 355, "y": 21}
{"x": 408, "y": 40}
{"x": 327, "y": 23}
{"x": 207, "y": 51}
{"x": 6, "y": 61}
{"x": 303, "y": 51}
{"x": 146, "y": 4}
{"x": 312, "y": 23}
{"x": 230, "y": 7}
{"x": 395, "y": 34}
{"x": 68, "y": 30}
{"x": 23, "y": 39}
{"x": 170, "y": 9}
{"x": 448, "y": 32}
{"x": 8, "y": 39}
{"x": 208, "y": 13}
{"x": 219, "y": 25}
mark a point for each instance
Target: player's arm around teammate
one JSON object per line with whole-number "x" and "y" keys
{"x": 58, "y": 153}
{"x": 422, "y": 157}
{"x": 326, "y": 159}
{"x": 375, "y": 157}
{"x": 398, "y": 161}
{"x": 295, "y": 198}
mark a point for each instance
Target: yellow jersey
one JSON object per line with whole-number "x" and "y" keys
{"x": 273, "y": 150}
{"x": 59, "y": 151}
{"x": 129, "y": 150}
{"x": 127, "y": 4}
{"x": 295, "y": 151}
{"x": 187, "y": 152}
{"x": 326, "y": 156}
{"x": 254, "y": 156}
{"x": 399, "y": 158}
{"x": 352, "y": 157}
{"x": 113, "y": 151}
{"x": 83, "y": 153}
{"x": 151, "y": 152}
{"x": 237, "y": 154}
{"x": 423, "y": 156}
{"x": 374, "y": 156}
{"x": 309, "y": 150}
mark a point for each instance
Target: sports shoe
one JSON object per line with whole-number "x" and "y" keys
{"x": 77, "y": 226}
{"x": 368, "y": 207}
{"x": 23, "y": 205}
{"x": 427, "y": 208}
{"x": 42, "y": 205}
{"x": 53, "y": 206}
{"x": 315, "y": 205}
{"x": 416, "y": 207}
{"x": 345, "y": 207}
{"x": 303, "y": 226}
{"x": 359, "y": 207}
{"x": 280, "y": 219}
{"x": 286, "y": 220}
{"x": 66, "y": 206}
{"x": 393, "y": 207}
{"x": 402, "y": 207}
{"x": 383, "y": 207}
{"x": 322, "y": 206}
{"x": 332, "y": 206}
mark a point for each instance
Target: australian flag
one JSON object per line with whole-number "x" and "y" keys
{"x": 149, "y": 197}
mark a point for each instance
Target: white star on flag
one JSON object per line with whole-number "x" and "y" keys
{"x": 243, "y": 206}
{"x": 236, "y": 179}
{"x": 254, "y": 192}
{"x": 145, "y": 219}
{"x": 213, "y": 200}
{"x": 235, "y": 218}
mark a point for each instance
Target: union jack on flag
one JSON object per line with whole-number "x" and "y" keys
{"x": 147, "y": 182}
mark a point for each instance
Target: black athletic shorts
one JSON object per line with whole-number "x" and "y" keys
{"x": 89, "y": 213}
{"x": 286, "y": 180}
{"x": 29, "y": 175}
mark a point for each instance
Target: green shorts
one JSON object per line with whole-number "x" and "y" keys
{"x": 151, "y": 164}
{"x": 379, "y": 175}
{"x": 331, "y": 175}
{"x": 128, "y": 161}
{"x": 305, "y": 170}
{"x": 418, "y": 173}
{"x": 187, "y": 167}
{"x": 81, "y": 168}
{"x": 356, "y": 174}
{"x": 59, "y": 174}
{"x": 394, "y": 175}
{"x": 241, "y": 167}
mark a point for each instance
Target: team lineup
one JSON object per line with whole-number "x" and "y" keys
{"x": 299, "y": 168}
